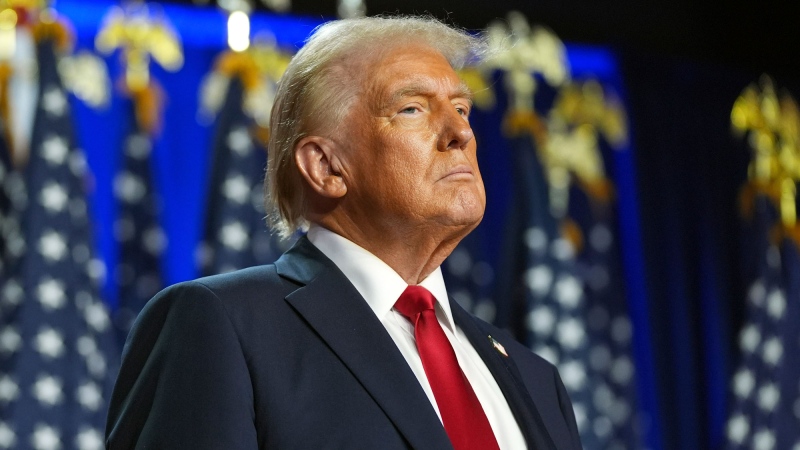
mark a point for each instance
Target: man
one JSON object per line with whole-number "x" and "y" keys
{"x": 349, "y": 340}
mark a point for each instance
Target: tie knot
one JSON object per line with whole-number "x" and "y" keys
{"x": 413, "y": 301}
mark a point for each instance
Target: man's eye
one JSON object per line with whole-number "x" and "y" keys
{"x": 463, "y": 111}
{"x": 409, "y": 110}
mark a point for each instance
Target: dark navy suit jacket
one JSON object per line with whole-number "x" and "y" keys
{"x": 290, "y": 356}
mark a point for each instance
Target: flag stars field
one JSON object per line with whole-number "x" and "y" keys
{"x": 562, "y": 249}
{"x": 601, "y": 238}
{"x": 10, "y": 340}
{"x": 49, "y": 343}
{"x": 539, "y": 279}
{"x": 46, "y": 437}
{"x": 622, "y": 370}
{"x": 9, "y": 390}
{"x": 52, "y": 246}
{"x": 12, "y": 294}
{"x": 129, "y": 187}
{"x": 600, "y": 358}
{"x": 234, "y": 235}
{"x": 541, "y": 320}
{"x": 96, "y": 317}
{"x": 547, "y": 353}
{"x": 240, "y": 142}
{"x": 776, "y": 303}
{"x": 768, "y": 397}
{"x": 154, "y": 240}
{"x": 55, "y": 150}
{"x": 757, "y": 293}
{"x": 89, "y": 439}
{"x": 7, "y": 436}
{"x": 54, "y": 102}
{"x": 738, "y": 429}
{"x": 51, "y": 294}
{"x": 138, "y": 146}
{"x": 621, "y": 330}
{"x": 51, "y": 290}
{"x": 48, "y": 390}
{"x": 90, "y": 396}
{"x": 568, "y": 291}
{"x": 764, "y": 439}
{"x": 570, "y": 334}
{"x": 743, "y": 383}
{"x": 236, "y": 189}
{"x": 750, "y": 338}
{"x": 573, "y": 373}
{"x": 54, "y": 197}
{"x": 772, "y": 351}
{"x": 536, "y": 240}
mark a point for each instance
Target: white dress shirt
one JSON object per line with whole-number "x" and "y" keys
{"x": 381, "y": 286}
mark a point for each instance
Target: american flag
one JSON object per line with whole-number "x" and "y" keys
{"x": 766, "y": 386}
{"x": 57, "y": 350}
{"x": 137, "y": 229}
{"x": 574, "y": 309}
{"x": 617, "y": 423}
{"x": 11, "y": 243}
{"x": 470, "y": 278}
{"x": 236, "y": 235}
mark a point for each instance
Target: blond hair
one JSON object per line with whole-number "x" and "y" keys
{"x": 319, "y": 85}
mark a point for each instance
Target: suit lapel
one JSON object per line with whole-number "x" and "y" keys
{"x": 337, "y": 312}
{"x": 508, "y": 379}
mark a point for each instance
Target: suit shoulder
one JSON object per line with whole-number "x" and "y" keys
{"x": 259, "y": 279}
{"x": 224, "y": 293}
{"x": 251, "y": 277}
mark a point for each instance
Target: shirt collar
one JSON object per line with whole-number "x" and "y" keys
{"x": 378, "y": 283}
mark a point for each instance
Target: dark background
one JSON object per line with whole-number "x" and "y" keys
{"x": 756, "y": 36}
{"x": 682, "y": 65}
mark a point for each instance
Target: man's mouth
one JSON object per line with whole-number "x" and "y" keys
{"x": 461, "y": 171}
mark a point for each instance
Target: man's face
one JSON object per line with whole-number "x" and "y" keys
{"x": 410, "y": 153}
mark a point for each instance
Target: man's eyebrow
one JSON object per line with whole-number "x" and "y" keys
{"x": 461, "y": 91}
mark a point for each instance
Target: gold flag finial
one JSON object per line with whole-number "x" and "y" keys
{"x": 582, "y": 114}
{"x": 771, "y": 124}
{"x": 15, "y": 13}
{"x": 258, "y": 68}
{"x": 140, "y": 35}
{"x": 521, "y": 52}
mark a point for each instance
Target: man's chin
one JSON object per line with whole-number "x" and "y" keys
{"x": 464, "y": 221}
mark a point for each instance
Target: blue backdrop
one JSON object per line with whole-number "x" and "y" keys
{"x": 676, "y": 217}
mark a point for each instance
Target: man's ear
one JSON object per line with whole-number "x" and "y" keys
{"x": 317, "y": 160}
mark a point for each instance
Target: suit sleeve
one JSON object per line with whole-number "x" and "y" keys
{"x": 184, "y": 381}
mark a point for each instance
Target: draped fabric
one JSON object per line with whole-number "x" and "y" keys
{"x": 236, "y": 234}
{"x": 765, "y": 385}
{"x": 57, "y": 351}
{"x": 137, "y": 228}
{"x": 552, "y": 291}
{"x": 673, "y": 225}
{"x": 10, "y": 239}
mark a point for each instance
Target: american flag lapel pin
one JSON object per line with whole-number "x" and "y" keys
{"x": 498, "y": 346}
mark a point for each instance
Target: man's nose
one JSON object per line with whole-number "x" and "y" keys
{"x": 456, "y": 133}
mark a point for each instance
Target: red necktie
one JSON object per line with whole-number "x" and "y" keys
{"x": 463, "y": 417}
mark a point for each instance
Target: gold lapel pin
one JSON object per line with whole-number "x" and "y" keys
{"x": 498, "y": 346}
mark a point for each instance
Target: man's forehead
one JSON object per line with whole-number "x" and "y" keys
{"x": 415, "y": 70}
